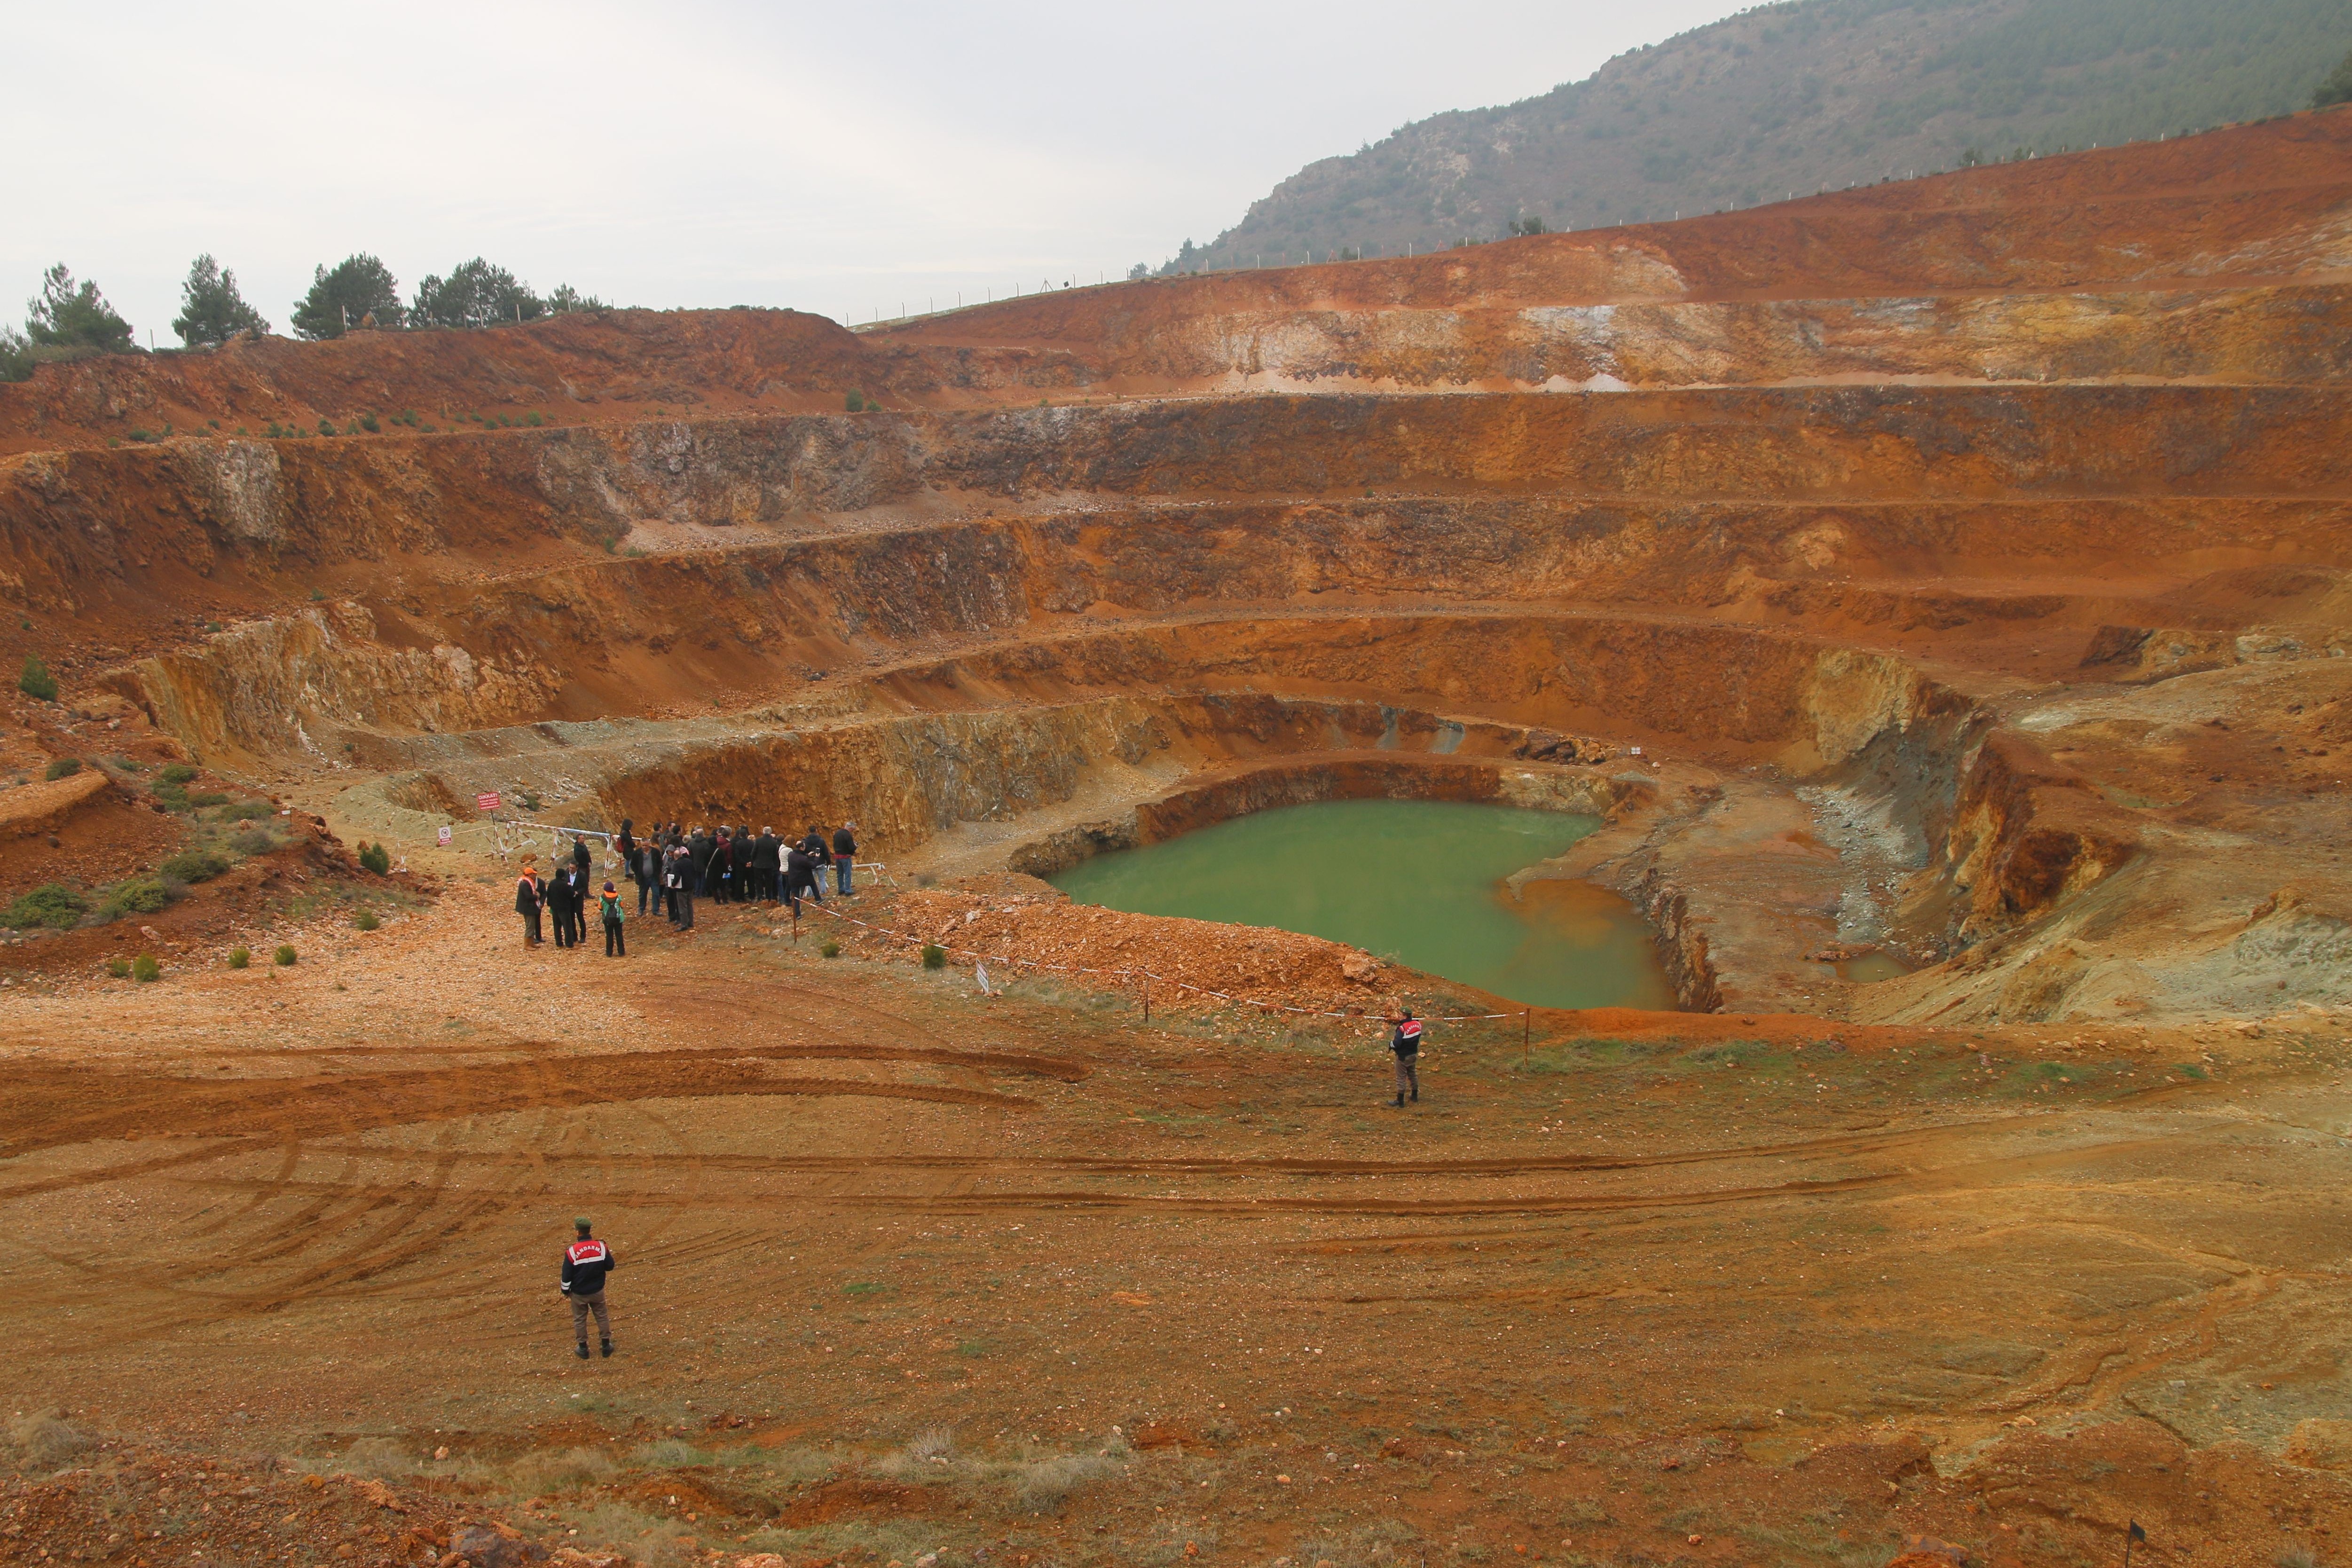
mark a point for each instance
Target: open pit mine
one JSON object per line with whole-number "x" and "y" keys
{"x": 1932, "y": 600}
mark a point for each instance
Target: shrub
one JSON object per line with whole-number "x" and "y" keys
{"x": 174, "y": 797}
{"x": 830, "y": 949}
{"x": 176, "y": 774}
{"x": 119, "y": 967}
{"x": 46, "y": 1438}
{"x": 248, "y": 811}
{"x": 196, "y": 866}
{"x": 934, "y": 956}
{"x": 326, "y": 426}
{"x": 238, "y": 957}
{"x": 283, "y": 957}
{"x": 375, "y": 857}
{"x": 1041, "y": 1485}
{"x": 252, "y": 841}
{"x": 135, "y": 896}
{"x": 367, "y": 920}
{"x": 571, "y": 1471}
{"x": 215, "y": 626}
{"x": 144, "y": 969}
{"x": 855, "y": 402}
{"x": 2336, "y": 89}
{"x": 52, "y": 904}
{"x": 214, "y": 799}
{"x": 318, "y": 595}
{"x": 368, "y": 423}
{"x": 63, "y": 768}
{"x": 35, "y": 681}
{"x": 533, "y": 419}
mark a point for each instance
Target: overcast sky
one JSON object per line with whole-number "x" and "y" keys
{"x": 837, "y": 158}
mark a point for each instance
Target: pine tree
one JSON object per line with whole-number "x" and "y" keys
{"x": 476, "y": 294}
{"x": 341, "y": 300}
{"x": 70, "y": 315}
{"x": 211, "y": 309}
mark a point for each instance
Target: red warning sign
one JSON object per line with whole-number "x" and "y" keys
{"x": 487, "y": 802}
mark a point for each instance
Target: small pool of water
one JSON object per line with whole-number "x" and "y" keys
{"x": 1871, "y": 968}
{"x": 1417, "y": 881}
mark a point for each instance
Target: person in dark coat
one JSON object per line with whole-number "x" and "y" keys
{"x": 679, "y": 881}
{"x": 767, "y": 866}
{"x": 819, "y": 854}
{"x": 738, "y": 852}
{"x": 700, "y": 846}
{"x": 582, "y": 861}
{"x": 529, "y": 897}
{"x": 644, "y": 869}
{"x": 800, "y": 876}
{"x": 566, "y": 894}
{"x": 719, "y": 868}
{"x": 844, "y": 856}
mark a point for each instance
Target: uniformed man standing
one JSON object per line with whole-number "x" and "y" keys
{"x": 1406, "y": 1044}
{"x": 585, "y": 1263}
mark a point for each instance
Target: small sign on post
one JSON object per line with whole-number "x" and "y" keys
{"x": 442, "y": 833}
{"x": 489, "y": 801}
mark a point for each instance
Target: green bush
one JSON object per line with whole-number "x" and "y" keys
{"x": 174, "y": 797}
{"x": 367, "y": 920}
{"x": 326, "y": 426}
{"x": 135, "y": 896}
{"x": 375, "y": 857}
{"x": 118, "y": 966}
{"x": 247, "y": 811}
{"x": 176, "y": 774}
{"x": 533, "y": 419}
{"x": 830, "y": 949}
{"x": 934, "y": 956}
{"x": 368, "y": 423}
{"x": 252, "y": 841}
{"x": 855, "y": 402}
{"x": 283, "y": 957}
{"x": 52, "y": 904}
{"x": 214, "y": 799}
{"x": 238, "y": 957}
{"x": 196, "y": 866}
{"x": 35, "y": 681}
{"x": 63, "y": 768}
{"x": 145, "y": 968}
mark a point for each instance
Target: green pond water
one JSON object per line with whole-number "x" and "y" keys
{"x": 1417, "y": 881}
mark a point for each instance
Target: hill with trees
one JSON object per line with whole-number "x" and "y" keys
{"x": 1797, "y": 98}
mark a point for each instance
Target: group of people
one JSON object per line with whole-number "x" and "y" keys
{"x": 674, "y": 865}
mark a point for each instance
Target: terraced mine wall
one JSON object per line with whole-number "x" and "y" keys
{"x": 1786, "y": 500}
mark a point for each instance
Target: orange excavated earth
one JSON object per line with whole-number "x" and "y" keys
{"x": 1944, "y": 581}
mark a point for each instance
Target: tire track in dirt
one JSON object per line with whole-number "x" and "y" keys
{"x": 56, "y": 1108}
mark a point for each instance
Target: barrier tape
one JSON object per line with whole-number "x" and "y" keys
{"x": 1011, "y": 962}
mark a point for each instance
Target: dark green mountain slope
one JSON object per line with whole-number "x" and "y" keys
{"x": 1798, "y": 97}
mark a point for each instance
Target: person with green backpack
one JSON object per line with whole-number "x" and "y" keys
{"x": 610, "y": 904}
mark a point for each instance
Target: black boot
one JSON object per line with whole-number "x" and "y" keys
{"x": 581, "y": 1350}
{"x": 608, "y": 1348}
{"x": 1399, "y": 1100}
